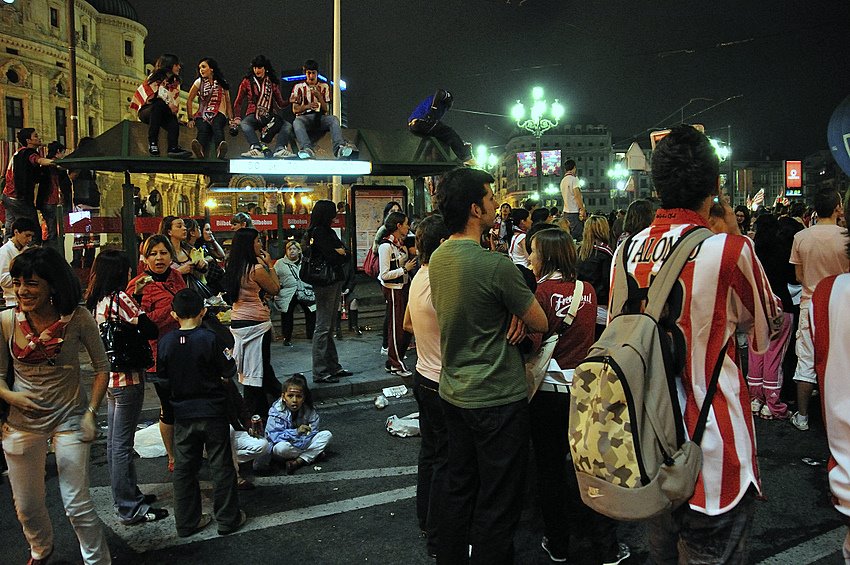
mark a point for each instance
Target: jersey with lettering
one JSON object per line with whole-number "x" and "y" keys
{"x": 832, "y": 366}
{"x": 722, "y": 288}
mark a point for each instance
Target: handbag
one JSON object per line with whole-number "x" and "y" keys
{"x": 316, "y": 270}
{"x": 126, "y": 349}
{"x": 195, "y": 283}
{"x": 537, "y": 365}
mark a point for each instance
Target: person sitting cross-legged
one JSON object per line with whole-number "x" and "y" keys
{"x": 310, "y": 101}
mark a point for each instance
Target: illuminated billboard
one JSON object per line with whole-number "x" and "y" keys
{"x": 551, "y": 162}
{"x": 793, "y": 174}
{"x": 526, "y": 164}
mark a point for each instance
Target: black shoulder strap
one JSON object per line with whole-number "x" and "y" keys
{"x": 709, "y": 397}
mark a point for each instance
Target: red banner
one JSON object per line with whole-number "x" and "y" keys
{"x": 102, "y": 224}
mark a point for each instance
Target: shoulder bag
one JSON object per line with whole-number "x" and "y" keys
{"x": 315, "y": 269}
{"x": 126, "y": 349}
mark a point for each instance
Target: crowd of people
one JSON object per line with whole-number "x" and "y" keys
{"x": 480, "y": 289}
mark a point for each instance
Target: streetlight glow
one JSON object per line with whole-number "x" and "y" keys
{"x": 211, "y": 203}
{"x": 518, "y": 111}
{"x": 551, "y": 189}
{"x": 557, "y": 110}
{"x": 537, "y": 93}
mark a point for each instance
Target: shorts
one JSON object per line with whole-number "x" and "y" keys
{"x": 805, "y": 372}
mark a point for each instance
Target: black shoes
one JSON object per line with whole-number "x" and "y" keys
{"x": 179, "y": 153}
{"x": 153, "y": 149}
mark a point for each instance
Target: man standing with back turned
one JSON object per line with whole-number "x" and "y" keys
{"x": 721, "y": 289}
{"x": 483, "y": 308}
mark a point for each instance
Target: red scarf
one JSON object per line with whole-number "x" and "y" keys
{"x": 210, "y": 96}
{"x": 38, "y": 348}
{"x": 264, "y": 100}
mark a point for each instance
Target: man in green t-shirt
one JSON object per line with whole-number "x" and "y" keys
{"x": 483, "y": 308}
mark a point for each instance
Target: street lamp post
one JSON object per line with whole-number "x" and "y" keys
{"x": 537, "y": 122}
{"x": 619, "y": 176}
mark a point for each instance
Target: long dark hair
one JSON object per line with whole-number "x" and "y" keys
{"x": 48, "y": 264}
{"x": 241, "y": 260}
{"x": 262, "y": 61}
{"x": 162, "y": 68}
{"x": 109, "y": 274}
{"x": 216, "y": 72}
{"x": 324, "y": 211}
{"x": 165, "y": 227}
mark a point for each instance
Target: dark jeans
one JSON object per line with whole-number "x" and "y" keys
{"x": 398, "y": 340}
{"x": 207, "y": 131}
{"x": 433, "y": 454}
{"x": 48, "y": 212}
{"x": 557, "y": 488}
{"x": 259, "y": 398}
{"x": 576, "y": 225}
{"x": 158, "y": 115}
{"x": 445, "y": 134}
{"x": 688, "y": 536}
{"x": 287, "y": 319}
{"x": 325, "y": 357}
{"x": 190, "y": 438}
{"x": 485, "y": 481}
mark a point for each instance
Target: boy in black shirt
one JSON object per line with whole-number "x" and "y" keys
{"x": 194, "y": 364}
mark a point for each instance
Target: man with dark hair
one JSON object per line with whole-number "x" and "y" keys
{"x": 311, "y": 104}
{"x": 541, "y": 216}
{"x": 722, "y": 289}
{"x": 483, "y": 307}
{"x": 54, "y": 189}
{"x": 425, "y": 121}
{"x": 420, "y": 319}
{"x": 23, "y": 230}
{"x": 21, "y": 178}
{"x": 574, "y": 209}
{"x": 818, "y": 252}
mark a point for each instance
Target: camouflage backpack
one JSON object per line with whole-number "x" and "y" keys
{"x": 627, "y": 435}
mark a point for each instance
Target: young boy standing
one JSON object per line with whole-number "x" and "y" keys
{"x": 194, "y": 365}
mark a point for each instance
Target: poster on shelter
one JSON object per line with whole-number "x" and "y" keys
{"x": 367, "y": 207}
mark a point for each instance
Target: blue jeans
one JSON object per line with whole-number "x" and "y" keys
{"x": 124, "y": 405}
{"x": 250, "y": 125}
{"x": 320, "y": 122}
{"x": 485, "y": 483}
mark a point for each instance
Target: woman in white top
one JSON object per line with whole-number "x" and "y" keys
{"x": 394, "y": 266}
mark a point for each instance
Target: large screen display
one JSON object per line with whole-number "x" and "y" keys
{"x": 551, "y": 162}
{"x": 793, "y": 174}
{"x": 526, "y": 164}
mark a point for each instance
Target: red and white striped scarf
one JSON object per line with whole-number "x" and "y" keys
{"x": 144, "y": 93}
{"x": 210, "y": 94}
{"x": 264, "y": 100}
{"x": 148, "y": 90}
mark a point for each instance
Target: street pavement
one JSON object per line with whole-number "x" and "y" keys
{"x": 358, "y": 505}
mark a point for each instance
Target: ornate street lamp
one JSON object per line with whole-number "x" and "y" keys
{"x": 541, "y": 119}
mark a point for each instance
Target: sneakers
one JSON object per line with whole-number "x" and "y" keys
{"x": 623, "y": 554}
{"x": 554, "y": 556}
{"x": 756, "y": 405}
{"x": 197, "y": 150}
{"x": 153, "y": 149}
{"x": 384, "y": 351}
{"x": 306, "y": 153}
{"x": 254, "y": 153}
{"x": 179, "y": 153}
{"x": 800, "y": 422}
{"x": 152, "y": 515}
{"x": 221, "y": 151}
{"x": 283, "y": 153}
{"x": 344, "y": 151}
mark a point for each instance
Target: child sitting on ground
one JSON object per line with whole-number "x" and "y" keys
{"x": 293, "y": 428}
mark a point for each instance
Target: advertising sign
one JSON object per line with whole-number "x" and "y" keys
{"x": 551, "y": 162}
{"x": 793, "y": 174}
{"x": 526, "y": 164}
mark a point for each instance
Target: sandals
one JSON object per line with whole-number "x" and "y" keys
{"x": 203, "y": 522}
{"x": 242, "y": 519}
{"x": 293, "y": 465}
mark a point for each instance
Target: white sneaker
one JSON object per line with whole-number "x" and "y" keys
{"x": 306, "y": 154}
{"x": 255, "y": 153}
{"x": 623, "y": 554}
{"x": 800, "y": 422}
{"x": 765, "y": 413}
{"x": 344, "y": 151}
{"x": 384, "y": 351}
{"x": 284, "y": 153}
{"x": 756, "y": 405}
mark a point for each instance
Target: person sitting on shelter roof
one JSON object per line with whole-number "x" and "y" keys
{"x": 310, "y": 101}
{"x": 261, "y": 89}
{"x": 425, "y": 121}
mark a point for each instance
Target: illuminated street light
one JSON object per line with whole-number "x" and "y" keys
{"x": 484, "y": 158}
{"x": 538, "y": 122}
{"x": 723, "y": 150}
{"x": 552, "y": 189}
{"x": 211, "y": 203}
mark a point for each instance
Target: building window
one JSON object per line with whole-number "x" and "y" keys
{"x": 54, "y": 17}
{"x": 602, "y": 185}
{"x": 579, "y": 172}
{"x": 85, "y": 34}
{"x": 590, "y": 172}
{"x": 14, "y": 117}
{"x": 590, "y": 158}
{"x": 183, "y": 205}
{"x": 61, "y": 125}
{"x": 12, "y": 76}
{"x": 578, "y": 144}
{"x": 92, "y": 131}
{"x": 603, "y": 201}
{"x": 128, "y": 48}
{"x": 11, "y": 51}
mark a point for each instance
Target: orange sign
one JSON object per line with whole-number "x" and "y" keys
{"x": 793, "y": 174}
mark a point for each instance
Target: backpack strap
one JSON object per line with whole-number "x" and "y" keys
{"x": 573, "y": 309}
{"x": 709, "y": 397}
{"x": 620, "y": 293}
{"x": 665, "y": 280}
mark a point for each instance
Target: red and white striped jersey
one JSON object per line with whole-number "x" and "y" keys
{"x": 127, "y": 311}
{"x": 832, "y": 366}
{"x": 722, "y": 289}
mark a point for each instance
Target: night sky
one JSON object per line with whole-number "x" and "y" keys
{"x": 628, "y": 65}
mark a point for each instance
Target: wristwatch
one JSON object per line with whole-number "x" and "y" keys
{"x": 92, "y": 410}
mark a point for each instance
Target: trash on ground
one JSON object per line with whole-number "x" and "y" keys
{"x": 811, "y": 462}
{"x": 148, "y": 443}
{"x": 395, "y": 391}
{"x": 403, "y": 427}
{"x": 317, "y": 468}
{"x": 381, "y": 402}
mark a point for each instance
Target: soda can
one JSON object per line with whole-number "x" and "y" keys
{"x": 257, "y": 424}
